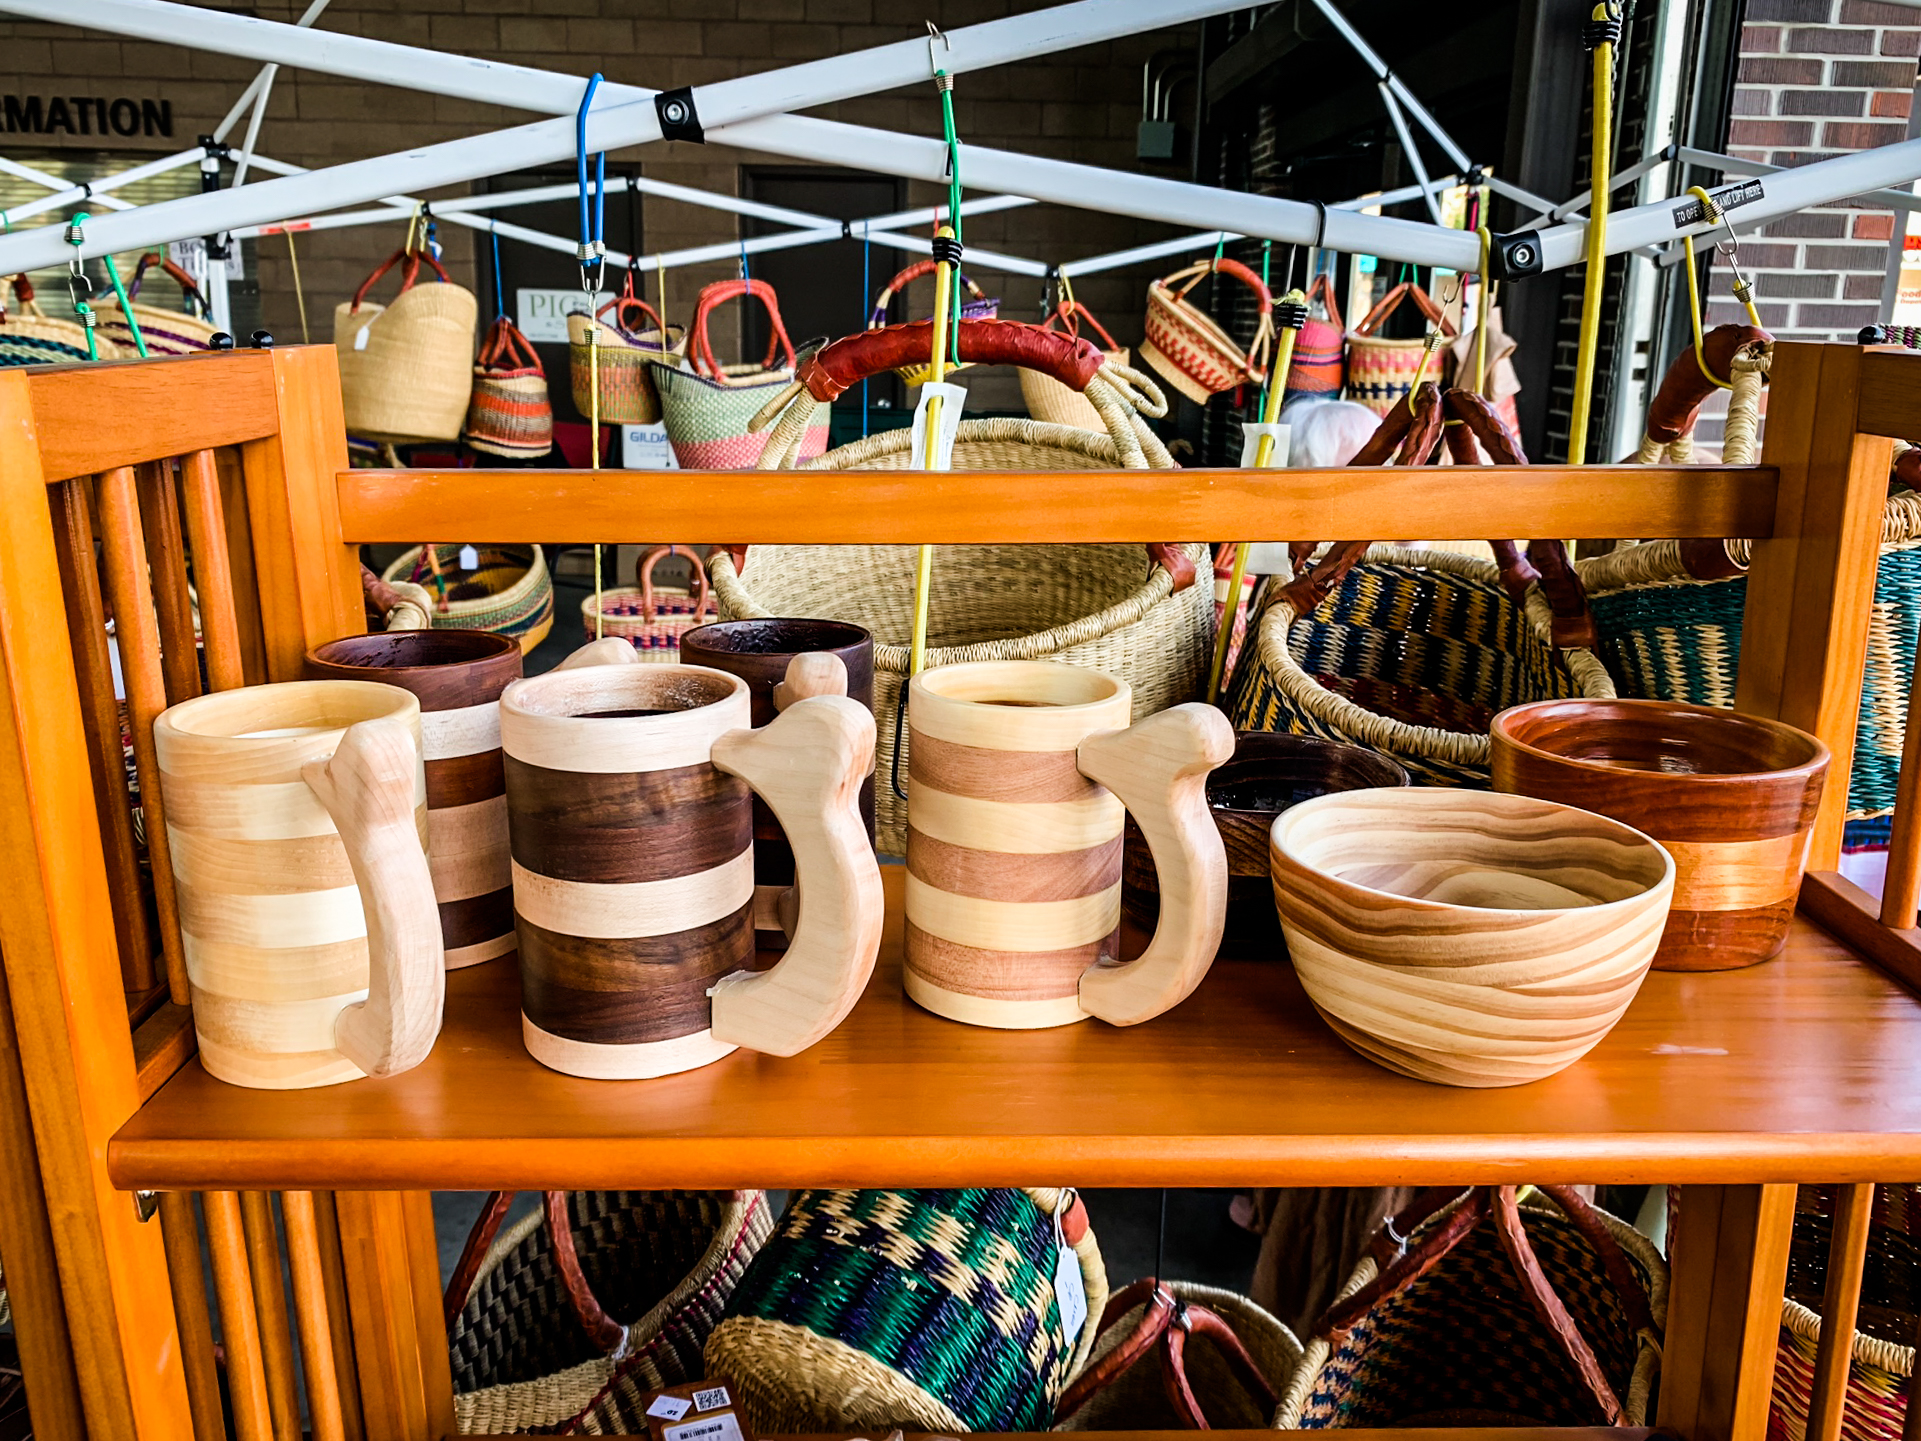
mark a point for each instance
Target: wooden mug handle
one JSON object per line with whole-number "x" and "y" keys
{"x": 1159, "y": 768}
{"x": 608, "y": 650}
{"x": 369, "y": 786}
{"x": 808, "y": 765}
{"x": 814, "y": 672}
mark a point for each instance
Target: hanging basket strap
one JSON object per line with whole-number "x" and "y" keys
{"x": 1548, "y": 1306}
{"x": 409, "y": 273}
{"x": 624, "y": 307}
{"x": 1165, "y": 1325}
{"x": 1412, "y": 1264}
{"x": 1323, "y": 290}
{"x": 606, "y": 1333}
{"x": 1390, "y": 302}
{"x": 719, "y": 293}
{"x": 461, "y": 1284}
{"x": 505, "y": 348}
{"x": 1677, "y": 404}
{"x": 1626, "y": 1280}
{"x": 1517, "y": 573}
{"x": 1069, "y": 314}
{"x": 836, "y": 368}
{"x": 1159, "y": 1304}
{"x": 644, "y": 577}
{"x": 878, "y": 316}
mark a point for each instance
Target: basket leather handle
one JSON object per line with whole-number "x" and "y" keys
{"x": 1226, "y": 265}
{"x": 409, "y": 273}
{"x": 625, "y": 302}
{"x": 1388, "y": 303}
{"x": 1099, "y": 1375}
{"x": 1202, "y": 1321}
{"x": 1166, "y": 1324}
{"x": 1547, "y": 1305}
{"x": 878, "y": 316}
{"x": 506, "y": 348}
{"x": 1627, "y": 1281}
{"x": 719, "y": 293}
{"x": 1070, "y": 313}
{"x": 835, "y": 368}
{"x": 1677, "y": 404}
{"x": 644, "y": 577}
{"x": 480, "y": 1240}
{"x": 1323, "y": 288}
{"x": 605, "y": 1332}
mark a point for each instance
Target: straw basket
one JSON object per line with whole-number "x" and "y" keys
{"x": 537, "y": 1317}
{"x": 166, "y": 332}
{"x": 931, "y": 1310}
{"x": 1459, "y": 1343}
{"x": 976, "y": 304}
{"x": 509, "y": 413}
{"x": 1192, "y": 353}
{"x": 28, "y": 336}
{"x": 406, "y": 368}
{"x": 710, "y": 410}
{"x": 1382, "y": 372}
{"x": 1047, "y": 398}
{"x": 1319, "y": 367}
{"x": 508, "y": 591}
{"x": 627, "y": 350}
{"x": 1105, "y": 606}
{"x": 1881, "y": 1361}
{"x": 653, "y": 617}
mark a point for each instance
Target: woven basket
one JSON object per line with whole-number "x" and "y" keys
{"x": 976, "y": 304}
{"x": 509, "y": 413}
{"x": 931, "y": 1310}
{"x": 627, "y": 348}
{"x": 1382, "y": 372}
{"x": 1103, "y": 606}
{"x": 1319, "y": 367}
{"x": 653, "y": 617}
{"x": 710, "y": 410}
{"x": 1461, "y": 1345}
{"x": 1055, "y": 403}
{"x": 166, "y": 332}
{"x": 1137, "y": 1399}
{"x": 28, "y": 336}
{"x": 406, "y": 368}
{"x": 530, "y": 1354}
{"x": 508, "y": 592}
{"x": 1881, "y": 1362}
{"x": 1191, "y": 352}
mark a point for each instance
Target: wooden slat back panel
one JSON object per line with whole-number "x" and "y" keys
{"x": 100, "y": 417}
{"x": 1847, "y": 1266}
{"x": 248, "y": 611}
{"x": 239, "y": 1326}
{"x": 270, "y": 1313}
{"x": 317, "y": 1359}
{"x": 167, "y": 573}
{"x": 213, "y": 570}
{"x": 181, "y": 1230}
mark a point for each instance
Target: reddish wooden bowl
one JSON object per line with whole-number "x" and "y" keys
{"x": 1732, "y": 797}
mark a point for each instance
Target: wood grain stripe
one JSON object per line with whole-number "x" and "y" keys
{"x": 463, "y": 780}
{"x": 287, "y": 866}
{"x": 627, "y": 991}
{"x": 1013, "y": 828}
{"x": 622, "y": 1063}
{"x": 646, "y": 908}
{"x": 626, "y": 829}
{"x": 300, "y": 972}
{"x": 461, "y": 957}
{"x": 567, "y": 741}
{"x": 1013, "y": 925}
{"x": 476, "y": 919}
{"x": 972, "y": 709}
{"x": 275, "y": 1027}
{"x": 467, "y": 850}
{"x": 297, "y": 1072}
{"x": 1737, "y": 875}
{"x": 1031, "y": 777}
{"x": 468, "y": 730}
{"x": 1722, "y": 940}
{"x": 317, "y": 917}
{"x": 1004, "y": 975}
{"x": 993, "y": 876}
{"x": 268, "y": 812}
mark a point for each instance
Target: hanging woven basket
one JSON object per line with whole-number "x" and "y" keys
{"x": 1189, "y": 349}
{"x": 1380, "y": 372}
{"x": 507, "y": 590}
{"x": 709, "y": 410}
{"x": 166, "y": 332}
{"x": 406, "y": 368}
{"x": 653, "y": 617}
{"x": 1111, "y": 607}
{"x": 1051, "y": 400}
{"x": 976, "y": 304}
{"x": 1319, "y": 367}
{"x": 28, "y": 336}
{"x": 627, "y": 348}
{"x": 509, "y": 413}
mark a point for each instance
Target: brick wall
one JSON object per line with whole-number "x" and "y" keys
{"x": 1082, "y": 105}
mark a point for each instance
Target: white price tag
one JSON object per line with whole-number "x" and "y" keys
{"x": 669, "y": 1408}
{"x": 363, "y": 335}
{"x": 953, "y": 397}
{"x": 1070, "y": 1292}
{"x": 711, "y": 1398}
{"x": 645, "y": 447}
{"x": 718, "y": 1428}
{"x": 1251, "y": 433}
{"x": 191, "y": 256}
{"x": 469, "y": 558}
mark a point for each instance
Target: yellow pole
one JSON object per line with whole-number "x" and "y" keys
{"x": 924, "y": 566}
{"x": 1605, "y": 13}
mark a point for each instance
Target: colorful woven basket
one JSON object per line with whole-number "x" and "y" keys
{"x": 1460, "y": 1344}
{"x": 509, "y": 413}
{"x": 1192, "y": 352}
{"x": 406, "y": 368}
{"x": 165, "y": 332}
{"x": 1881, "y": 1362}
{"x": 710, "y": 409}
{"x": 1319, "y": 367}
{"x": 976, "y": 304}
{"x": 508, "y": 589}
{"x": 566, "y": 1330}
{"x": 1054, "y": 402}
{"x": 931, "y": 1310}
{"x": 1382, "y": 372}
{"x": 653, "y": 617}
{"x": 28, "y": 336}
{"x": 627, "y": 349}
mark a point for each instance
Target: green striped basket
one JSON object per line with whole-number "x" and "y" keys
{"x": 928, "y": 1310}
{"x": 1412, "y": 655}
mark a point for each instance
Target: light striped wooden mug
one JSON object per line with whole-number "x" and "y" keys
{"x": 1020, "y": 775}
{"x": 297, "y": 817}
{"x": 628, "y": 802}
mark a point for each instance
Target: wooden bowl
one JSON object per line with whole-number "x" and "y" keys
{"x": 1731, "y": 796}
{"x": 1268, "y": 773}
{"x": 1466, "y": 937}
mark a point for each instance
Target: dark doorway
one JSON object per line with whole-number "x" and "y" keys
{"x": 825, "y": 290}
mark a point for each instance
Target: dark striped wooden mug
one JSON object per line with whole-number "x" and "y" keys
{"x": 628, "y": 802}
{"x": 457, "y": 676}
{"x": 1020, "y": 775}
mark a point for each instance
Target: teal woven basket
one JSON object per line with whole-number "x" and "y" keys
{"x": 927, "y": 1310}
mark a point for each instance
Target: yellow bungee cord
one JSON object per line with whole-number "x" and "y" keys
{"x": 1743, "y": 291}
{"x": 1602, "y": 33}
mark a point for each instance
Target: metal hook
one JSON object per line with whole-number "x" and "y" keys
{"x": 900, "y": 732}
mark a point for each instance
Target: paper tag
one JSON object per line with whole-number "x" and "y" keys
{"x": 669, "y": 1408}
{"x": 1070, "y": 1293}
{"x": 645, "y": 447}
{"x": 1251, "y": 433}
{"x": 718, "y": 1428}
{"x": 953, "y": 398}
{"x": 362, "y": 335}
{"x": 469, "y": 558}
{"x": 711, "y": 1398}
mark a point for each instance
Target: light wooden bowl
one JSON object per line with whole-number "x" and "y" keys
{"x": 1466, "y": 937}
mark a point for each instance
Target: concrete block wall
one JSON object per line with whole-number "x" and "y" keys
{"x": 1081, "y": 105}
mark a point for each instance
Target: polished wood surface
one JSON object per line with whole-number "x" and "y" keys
{"x": 317, "y": 1361}
{"x": 1732, "y": 797}
{"x": 181, "y": 1231}
{"x": 212, "y": 570}
{"x": 1809, "y": 1065}
{"x": 270, "y": 1312}
{"x": 167, "y": 573}
{"x": 1830, "y": 899}
{"x": 400, "y": 1340}
{"x": 1840, "y": 1305}
{"x": 869, "y": 507}
{"x": 250, "y": 1408}
{"x": 161, "y": 1045}
{"x": 96, "y": 417}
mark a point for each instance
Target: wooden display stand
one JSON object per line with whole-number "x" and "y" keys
{"x": 1806, "y": 1069}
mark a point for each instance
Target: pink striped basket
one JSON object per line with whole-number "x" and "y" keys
{"x": 708, "y": 410}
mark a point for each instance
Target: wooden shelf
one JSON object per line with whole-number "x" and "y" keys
{"x": 1807, "y": 1068}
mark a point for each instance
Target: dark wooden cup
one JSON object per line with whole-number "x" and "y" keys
{"x": 1268, "y": 774}
{"x": 758, "y": 652}
{"x": 458, "y": 676}
{"x": 1731, "y": 796}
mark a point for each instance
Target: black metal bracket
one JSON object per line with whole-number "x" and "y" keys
{"x": 679, "y": 116}
{"x": 1516, "y": 256}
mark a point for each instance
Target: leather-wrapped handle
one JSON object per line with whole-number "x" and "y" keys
{"x": 1198, "y": 1320}
{"x": 1414, "y": 1263}
{"x": 626, "y": 301}
{"x": 644, "y": 578}
{"x": 409, "y": 273}
{"x": 1677, "y": 404}
{"x": 506, "y": 349}
{"x": 836, "y": 368}
{"x": 1070, "y": 314}
{"x": 1516, "y": 573}
{"x": 1547, "y": 1306}
{"x": 480, "y": 1240}
{"x": 1101, "y": 1374}
{"x": 719, "y": 293}
{"x": 1388, "y": 303}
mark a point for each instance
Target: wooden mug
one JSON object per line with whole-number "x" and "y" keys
{"x": 1020, "y": 775}
{"x": 297, "y": 817}
{"x": 628, "y": 809}
{"x": 1733, "y": 798}
{"x": 758, "y": 651}
{"x": 457, "y": 676}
